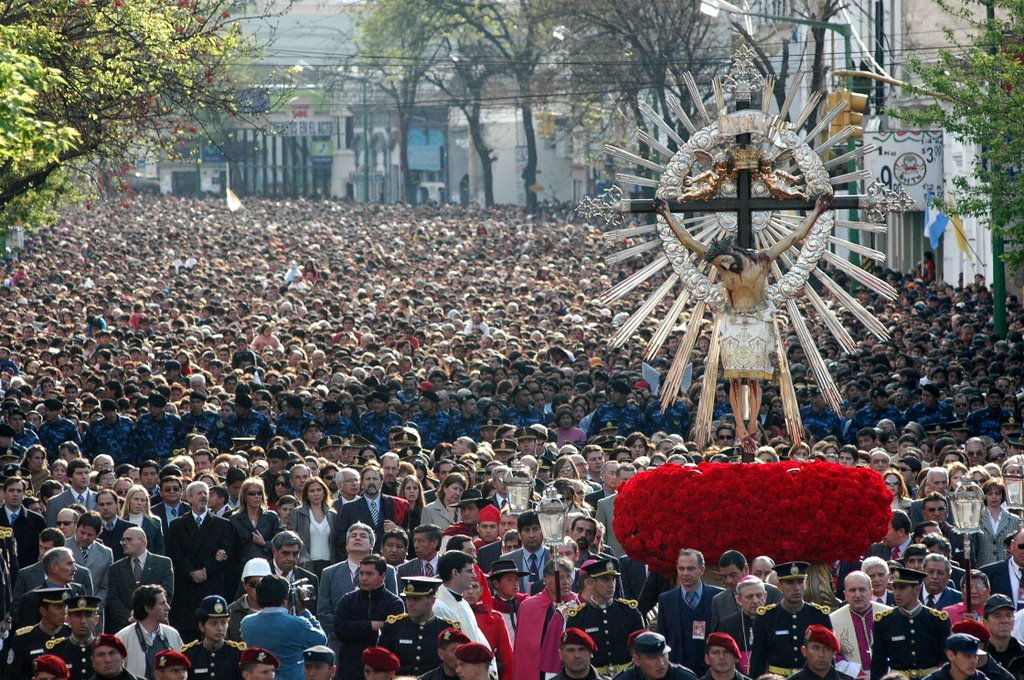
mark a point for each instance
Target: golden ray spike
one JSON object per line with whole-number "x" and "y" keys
{"x": 863, "y": 226}
{"x": 817, "y": 364}
{"x": 674, "y": 377}
{"x": 871, "y": 322}
{"x": 650, "y": 141}
{"x": 825, "y": 121}
{"x": 666, "y": 325}
{"x": 680, "y": 112}
{"x": 865, "y": 251}
{"x": 634, "y": 280}
{"x": 794, "y": 89}
{"x": 767, "y": 94}
{"x": 626, "y": 178}
{"x": 859, "y": 152}
{"x": 790, "y": 406}
{"x": 835, "y": 140}
{"x": 809, "y": 107}
{"x": 870, "y": 280}
{"x": 629, "y": 231}
{"x": 643, "y": 311}
{"x": 824, "y": 313}
{"x": 857, "y": 176}
{"x": 630, "y": 157}
{"x": 706, "y": 408}
{"x": 652, "y": 117}
{"x": 695, "y": 96}
{"x": 633, "y": 251}
{"x": 716, "y": 85}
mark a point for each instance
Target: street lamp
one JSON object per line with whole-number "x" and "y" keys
{"x": 968, "y": 503}
{"x": 1014, "y": 490}
{"x": 551, "y": 515}
{"x": 519, "y": 485}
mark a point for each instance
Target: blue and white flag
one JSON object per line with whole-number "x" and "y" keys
{"x": 935, "y": 221}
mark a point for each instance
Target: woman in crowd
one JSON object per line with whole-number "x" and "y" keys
{"x": 254, "y": 524}
{"x": 444, "y": 510}
{"x": 315, "y": 521}
{"x": 997, "y": 522}
{"x": 135, "y": 509}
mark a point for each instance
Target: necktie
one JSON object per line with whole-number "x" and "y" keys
{"x": 137, "y": 569}
{"x": 374, "y": 513}
{"x": 85, "y": 555}
{"x": 1020, "y": 589}
{"x": 427, "y": 569}
{"x": 896, "y": 553}
{"x": 81, "y": 498}
{"x": 931, "y": 601}
{"x": 355, "y": 578}
{"x": 174, "y": 512}
{"x": 199, "y": 522}
{"x": 533, "y": 569}
{"x": 691, "y": 599}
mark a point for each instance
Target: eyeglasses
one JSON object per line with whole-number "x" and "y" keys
{"x": 64, "y": 523}
{"x": 171, "y": 489}
{"x": 255, "y": 493}
{"x": 280, "y": 482}
{"x": 905, "y": 469}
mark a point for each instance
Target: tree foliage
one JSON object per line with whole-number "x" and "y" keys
{"x": 86, "y": 85}
{"x": 978, "y": 96}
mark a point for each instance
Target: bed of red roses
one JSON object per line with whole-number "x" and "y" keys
{"x": 815, "y": 512}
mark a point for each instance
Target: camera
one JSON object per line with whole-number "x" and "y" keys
{"x": 301, "y": 591}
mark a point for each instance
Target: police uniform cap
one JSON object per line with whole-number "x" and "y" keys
{"x": 822, "y": 635}
{"x": 879, "y": 392}
{"x": 157, "y": 399}
{"x": 332, "y": 406}
{"x": 293, "y": 400}
{"x": 172, "y": 365}
{"x": 431, "y": 395}
{"x": 420, "y": 586}
{"x": 474, "y": 652}
{"x": 406, "y": 437}
{"x": 357, "y": 441}
{"x": 599, "y": 568}
{"x": 577, "y": 636}
{"x": 52, "y": 595}
{"x": 490, "y": 422}
{"x": 197, "y": 395}
{"x": 171, "y": 658}
{"x": 258, "y": 655}
{"x": 452, "y": 635}
{"x": 907, "y": 576}
{"x": 620, "y": 386}
{"x": 243, "y": 400}
{"x": 319, "y": 654}
{"x": 6, "y": 430}
{"x": 82, "y": 603}
{"x": 330, "y": 442}
{"x": 381, "y": 659}
{"x": 608, "y": 426}
{"x": 956, "y": 426}
{"x": 650, "y": 643}
{"x": 109, "y": 640}
{"x": 49, "y": 663}
{"x": 53, "y": 404}
{"x": 213, "y": 607}
{"x": 972, "y": 627}
{"x": 935, "y": 428}
{"x": 962, "y": 643}
{"x": 505, "y": 446}
{"x": 998, "y": 601}
{"x": 526, "y": 434}
{"x": 791, "y": 571}
{"x": 725, "y": 641}
{"x": 1009, "y": 422}
{"x": 502, "y": 567}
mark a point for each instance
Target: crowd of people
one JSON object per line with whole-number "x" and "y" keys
{"x": 287, "y": 431}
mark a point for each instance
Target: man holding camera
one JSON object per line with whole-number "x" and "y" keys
{"x": 276, "y": 629}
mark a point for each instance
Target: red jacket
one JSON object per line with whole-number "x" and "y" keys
{"x": 493, "y": 628}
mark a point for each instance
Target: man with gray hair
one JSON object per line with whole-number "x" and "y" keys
{"x": 935, "y": 480}
{"x": 285, "y": 548}
{"x": 854, "y": 622}
{"x": 877, "y": 571}
{"x": 936, "y": 593}
{"x": 347, "y": 481}
{"x": 685, "y": 613}
{"x": 59, "y": 566}
{"x": 750, "y": 596}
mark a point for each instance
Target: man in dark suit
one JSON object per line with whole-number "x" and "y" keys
{"x": 170, "y": 507}
{"x": 32, "y": 576}
{"x": 26, "y": 524}
{"x": 896, "y": 540}
{"x": 1005, "y": 576}
{"x": 137, "y": 567}
{"x": 684, "y": 613}
{"x": 936, "y": 592}
{"x": 382, "y": 513}
{"x": 77, "y": 491}
{"x": 113, "y": 526}
{"x": 285, "y": 548}
{"x": 426, "y": 542}
{"x": 532, "y": 557}
{"x": 59, "y": 569}
{"x": 199, "y": 545}
{"x": 487, "y": 555}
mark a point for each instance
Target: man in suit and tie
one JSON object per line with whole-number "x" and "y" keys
{"x": 137, "y": 567}
{"x": 92, "y": 554}
{"x": 684, "y": 613}
{"x": 533, "y": 555}
{"x": 113, "y": 526}
{"x": 1005, "y": 576}
{"x": 199, "y": 545}
{"x": 609, "y": 483}
{"x": 733, "y": 567}
{"x": 170, "y": 507}
{"x": 426, "y": 542}
{"x": 343, "y": 577}
{"x": 877, "y": 570}
{"x": 77, "y": 491}
{"x": 897, "y": 539}
{"x": 381, "y": 513}
{"x": 26, "y": 524}
{"x": 58, "y": 568}
{"x": 32, "y": 576}
{"x": 936, "y": 593}
{"x": 605, "y": 513}
{"x": 285, "y": 548}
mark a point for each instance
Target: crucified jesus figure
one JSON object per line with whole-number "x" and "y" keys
{"x": 747, "y": 337}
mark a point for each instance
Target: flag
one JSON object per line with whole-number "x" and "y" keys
{"x": 935, "y": 221}
{"x": 652, "y": 377}
{"x": 958, "y": 227}
{"x": 233, "y": 201}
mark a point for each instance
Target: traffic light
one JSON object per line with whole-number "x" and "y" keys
{"x": 832, "y": 100}
{"x": 856, "y": 107}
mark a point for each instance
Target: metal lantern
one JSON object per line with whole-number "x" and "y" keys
{"x": 1014, "y": 491}
{"x": 519, "y": 484}
{"x": 968, "y": 502}
{"x": 551, "y": 513}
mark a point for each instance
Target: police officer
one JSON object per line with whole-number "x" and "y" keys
{"x": 319, "y": 663}
{"x": 412, "y": 636}
{"x": 76, "y": 648}
{"x": 650, "y": 660}
{"x": 170, "y": 664}
{"x": 962, "y": 655}
{"x": 779, "y": 628}
{"x": 213, "y": 657}
{"x": 607, "y": 620}
{"x": 448, "y": 641}
{"x": 820, "y": 648}
{"x": 910, "y": 638}
{"x": 30, "y": 641}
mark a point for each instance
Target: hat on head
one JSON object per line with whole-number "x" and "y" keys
{"x": 52, "y": 664}
{"x": 420, "y": 586}
{"x": 82, "y": 603}
{"x": 998, "y": 601}
{"x": 879, "y": 392}
{"x": 822, "y": 635}
{"x": 650, "y": 643}
{"x": 490, "y": 422}
{"x": 109, "y": 640}
{"x": 332, "y": 407}
{"x": 472, "y": 497}
{"x": 257, "y": 566}
{"x": 171, "y": 658}
{"x": 213, "y": 607}
{"x": 502, "y": 567}
{"x": 197, "y": 395}
{"x": 527, "y": 433}
{"x": 258, "y": 655}
{"x": 599, "y": 568}
{"x": 331, "y": 441}
{"x": 962, "y": 643}
{"x": 157, "y": 399}
{"x": 791, "y": 571}
{"x": 172, "y": 365}
{"x": 906, "y": 576}
{"x": 490, "y": 513}
{"x": 576, "y": 636}
{"x": 450, "y": 635}
{"x": 53, "y": 404}
{"x": 293, "y": 401}
{"x": 319, "y": 654}
{"x": 51, "y": 595}
{"x": 381, "y": 659}
{"x": 406, "y": 437}
{"x": 725, "y": 641}
{"x": 608, "y": 426}
{"x": 505, "y": 446}
{"x": 243, "y": 400}
{"x": 474, "y": 652}
{"x": 975, "y": 628}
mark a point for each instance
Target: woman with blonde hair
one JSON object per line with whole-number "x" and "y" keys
{"x": 253, "y": 522}
{"x": 136, "y": 510}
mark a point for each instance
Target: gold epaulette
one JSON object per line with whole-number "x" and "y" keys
{"x": 5, "y": 533}
{"x": 939, "y": 613}
{"x": 236, "y": 644}
{"x": 452, "y": 624}
{"x": 822, "y": 608}
{"x": 50, "y": 644}
{"x": 22, "y": 631}
{"x": 879, "y": 615}
{"x": 189, "y": 645}
{"x": 575, "y": 609}
{"x": 761, "y": 611}
{"x": 632, "y": 604}
{"x": 395, "y": 618}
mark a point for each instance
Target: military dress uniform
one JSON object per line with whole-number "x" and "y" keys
{"x": 779, "y": 632}
{"x": 77, "y": 654}
{"x": 807, "y": 674}
{"x": 26, "y": 644}
{"x": 609, "y": 625}
{"x": 911, "y": 642}
{"x": 219, "y": 662}
{"x": 413, "y": 642}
